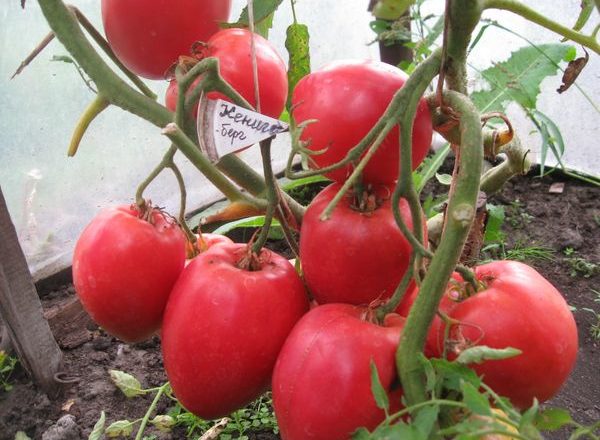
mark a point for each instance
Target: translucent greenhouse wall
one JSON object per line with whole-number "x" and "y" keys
{"x": 51, "y": 197}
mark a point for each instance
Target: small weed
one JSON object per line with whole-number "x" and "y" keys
{"x": 258, "y": 416}
{"x": 517, "y": 217}
{"x": 579, "y": 265}
{"x": 519, "y": 252}
{"x": 7, "y": 366}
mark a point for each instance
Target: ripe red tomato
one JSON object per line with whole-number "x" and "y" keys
{"x": 348, "y": 98}
{"x": 353, "y": 257}
{"x": 322, "y": 379}
{"x": 149, "y": 36}
{"x": 224, "y": 326}
{"x": 124, "y": 268}
{"x": 518, "y": 308}
{"x": 232, "y": 48}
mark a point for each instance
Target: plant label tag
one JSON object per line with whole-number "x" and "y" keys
{"x": 225, "y": 128}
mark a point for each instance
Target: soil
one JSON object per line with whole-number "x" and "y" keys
{"x": 566, "y": 223}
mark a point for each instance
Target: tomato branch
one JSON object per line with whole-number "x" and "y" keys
{"x": 460, "y": 213}
{"x": 272, "y": 197}
{"x": 529, "y": 14}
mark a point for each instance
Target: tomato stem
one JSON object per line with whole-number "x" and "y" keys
{"x": 272, "y": 196}
{"x": 97, "y": 106}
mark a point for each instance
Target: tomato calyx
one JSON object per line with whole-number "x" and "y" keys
{"x": 458, "y": 291}
{"x": 366, "y": 201}
{"x": 252, "y": 261}
{"x": 200, "y": 50}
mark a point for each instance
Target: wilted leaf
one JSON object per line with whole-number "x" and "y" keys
{"x": 444, "y": 179}
{"x": 297, "y": 45}
{"x": 572, "y": 72}
{"x": 128, "y": 384}
{"x": 120, "y": 428}
{"x": 20, "y": 435}
{"x": 476, "y": 355}
{"x": 164, "y": 423}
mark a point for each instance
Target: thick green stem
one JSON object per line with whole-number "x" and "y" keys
{"x": 460, "y": 213}
{"x": 517, "y": 162}
{"x": 529, "y": 14}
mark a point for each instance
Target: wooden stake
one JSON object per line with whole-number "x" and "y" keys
{"x": 21, "y": 310}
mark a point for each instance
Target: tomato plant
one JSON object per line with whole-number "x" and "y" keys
{"x": 355, "y": 257}
{"x": 232, "y": 48}
{"x": 149, "y": 37}
{"x": 517, "y": 308}
{"x": 322, "y": 379}
{"x": 224, "y": 326}
{"x": 124, "y": 268}
{"x": 347, "y": 98}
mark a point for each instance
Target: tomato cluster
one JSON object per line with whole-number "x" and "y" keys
{"x": 231, "y": 329}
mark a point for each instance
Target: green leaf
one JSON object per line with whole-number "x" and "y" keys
{"x": 297, "y": 45}
{"x": 96, "y": 433}
{"x": 493, "y": 226}
{"x": 480, "y": 353}
{"x": 429, "y": 167}
{"x": 20, "y": 435}
{"x": 425, "y": 420}
{"x": 391, "y": 9}
{"x": 381, "y": 397}
{"x": 553, "y": 419}
{"x": 453, "y": 374}
{"x": 444, "y": 179}
{"x": 120, "y": 428}
{"x": 263, "y": 16}
{"x": 291, "y": 184}
{"x": 128, "y": 384}
{"x": 361, "y": 434}
{"x": 475, "y": 401}
{"x": 251, "y": 222}
{"x": 551, "y": 137}
{"x": 430, "y": 376}
{"x": 519, "y": 78}
{"x": 263, "y": 27}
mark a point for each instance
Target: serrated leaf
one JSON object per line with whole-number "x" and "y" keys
{"x": 128, "y": 384}
{"x": 553, "y": 419}
{"x": 429, "y": 167}
{"x": 20, "y": 435}
{"x": 263, "y": 27}
{"x": 453, "y": 374}
{"x": 381, "y": 397}
{"x": 297, "y": 44}
{"x": 425, "y": 420}
{"x": 98, "y": 430}
{"x": 481, "y": 353}
{"x": 444, "y": 179}
{"x": 264, "y": 11}
{"x": 120, "y": 428}
{"x": 475, "y": 401}
{"x": 519, "y": 78}
{"x": 493, "y": 226}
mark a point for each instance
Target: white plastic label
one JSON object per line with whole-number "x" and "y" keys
{"x": 225, "y": 128}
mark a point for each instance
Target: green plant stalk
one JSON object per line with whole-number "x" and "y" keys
{"x": 144, "y": 421}
{"x": 533, "y": 16}
{"x": 460, "y": 213}
{"x": 463, "y": 17}
{"x": 517, "y": 162}
{"x": 164, "y": 163}
{"x": 182, "y": 203}
{"x": 114, "y": 89}
{"x": 272, "y": 198}
{"x": 97, "y": 106}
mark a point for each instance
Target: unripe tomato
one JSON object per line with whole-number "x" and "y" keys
{"x": 224, "y": 326}
{"x": 354, "y": 257}
{"x": 347, "y": 98}
{"x": 232, "y": 48}
{"x": 148, "y": 36}
{"x": 124, "y": 268}
{"x": 322, "y": 379}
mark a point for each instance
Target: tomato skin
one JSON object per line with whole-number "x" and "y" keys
{"x": 520, "y": 309}
{"x": 224, "y": 326}
{"x": 348, "y": 98}
{"x": 232, "y": 48}
{"x": 322, "y": 379}
{"x": 353, "y": 258}
{"x": 124, "y": 268}
{"x": 149, "y": 36}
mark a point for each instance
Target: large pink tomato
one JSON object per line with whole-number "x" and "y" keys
{"x": 224, "y": 327}
{"x": 354, "y": 257}
{"x": 322, "y": 379}
{"x": 517, "y": 308}
{"x": 232, "y": 48}
{"x": 124, "y": 268}
{"x": 347, "y": 98}
{"x": 148, "y": 36}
